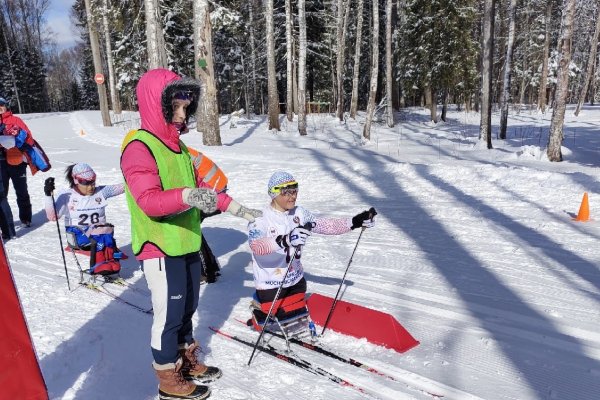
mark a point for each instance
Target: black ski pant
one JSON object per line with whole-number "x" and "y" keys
{"x": 18, "y": 175}
{"x": 6, "y": 217}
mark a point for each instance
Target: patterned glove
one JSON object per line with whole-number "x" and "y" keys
{"x": 49, "y": 186}
{"x": 239, "y": 210}
{"x": 364, "y": 219}
{"x": 297, "y": 237}
{"x": 203, "y": 199}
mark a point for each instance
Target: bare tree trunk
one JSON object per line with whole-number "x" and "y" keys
{"x": 594, "y": 84}
{"x": 485, "y": 126}
{"x": 562, "y": 84}
{"x": 155, "y": 41}
{"x": 25, "y": 25}
{"x": 204, "y": 69}
{"x": 388, "y": 63}
{"x": 289, "y": 109}
{"x": 4, "y": 33}
{"x": 432, "y": 105}
{"x": 95, "y": 44}
{"x": 500, "y": 38}
{"x": 246, "y": 85}
{"x": 302, "y": 68}
{"x": 252, "y": 56}
{"x": 590, "y": 63}
{"x": 114, "y": 94}
{"x": 523, "y": 84}
{"x": 356, "y": 71}
{"x": 508, "y": 68}
{"x": 295, "y": 78}
{"x": 544, "y": 78}
{"x": 445, "y": 104}
{"x": 342, "y": 27}
{"x": 374, "y": 72}
{"x": 272, "y": 79}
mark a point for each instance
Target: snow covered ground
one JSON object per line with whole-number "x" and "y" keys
{"x": 474, "y": 252}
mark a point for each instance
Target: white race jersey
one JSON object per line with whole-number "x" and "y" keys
{"x": 269, "y": 269}
{"x": 82, "y": 211}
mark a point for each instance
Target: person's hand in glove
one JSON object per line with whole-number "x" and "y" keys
{"x": 49, "y": 186}
{"x": 241, "y": 211}
{"x": 202, "y": 198}
{"x": 296, "y": 237}
{"x": 364, "y": 219}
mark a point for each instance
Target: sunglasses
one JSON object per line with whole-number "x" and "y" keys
{"x": 286, "y": 189}
{"x": 83, "y": 182}
{"x": 184, "y": 95}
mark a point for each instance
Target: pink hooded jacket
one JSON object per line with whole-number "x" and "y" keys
{"x": 138, "y": 165}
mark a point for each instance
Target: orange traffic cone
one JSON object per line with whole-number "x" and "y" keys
{"x": 584, "y": 210}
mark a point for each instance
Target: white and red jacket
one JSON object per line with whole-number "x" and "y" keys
{"x": 81, "y": 210}
{"x": 269, "y": 260}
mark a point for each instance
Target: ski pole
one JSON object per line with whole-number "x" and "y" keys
{"x": 372, "y": 213}
{"x": 61, "y": 243}
{"x": 308, "y": 226}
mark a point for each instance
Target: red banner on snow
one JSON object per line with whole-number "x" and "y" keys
{"x": 361, "y": 322}
{"x": 20, "y": 374}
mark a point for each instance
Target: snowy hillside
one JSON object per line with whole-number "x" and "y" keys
{"x": 475, "y": 253}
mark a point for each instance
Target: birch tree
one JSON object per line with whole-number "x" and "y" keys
{"x": 555, "y": 138}
{"x": 114, "y": 94}
{"x": 208, "y": 111}
{"x": 301, "y": 68}
{"x": 271, "y": 77}
{"x": 508, "y": 68}
{"x": 3, "y": 32}
{"x": 290, "y": 60}
{"x": 388, "y": 63}
{"x": 545, "y": 54}
{"x": 356, "y": 68}
{"x": 374, "y": 71}
{"x": 95, "y": 45}
{"x": 252, "y": 57}
{"x": 341, "y": 28}
{"x": 155, "y": 41}
{"x": 487, "y": 45}
{"x": 590, "y": 62}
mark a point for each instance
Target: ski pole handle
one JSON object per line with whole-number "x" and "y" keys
{"x": 372, "y": 213}
{"x": 308, "y": 226}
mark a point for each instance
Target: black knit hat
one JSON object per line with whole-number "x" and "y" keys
{"x": 185, "y": 85}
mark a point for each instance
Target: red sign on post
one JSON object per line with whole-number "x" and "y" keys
{"x": 99, "y": 78}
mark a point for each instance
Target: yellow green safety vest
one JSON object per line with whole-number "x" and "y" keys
{"x": 174, "y": 235}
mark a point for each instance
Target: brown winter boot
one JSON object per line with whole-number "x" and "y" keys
{"x": 172, "y": 385}
{"x": 194, "y": 370}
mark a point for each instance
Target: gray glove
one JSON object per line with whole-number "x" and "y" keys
{"x": 202, "y": 198}
{"x": 239, "y": 210}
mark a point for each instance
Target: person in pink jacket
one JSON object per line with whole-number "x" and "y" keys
{"x": 165, "y": 197}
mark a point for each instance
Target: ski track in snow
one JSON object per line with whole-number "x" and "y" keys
{"x": 474, "y": 252}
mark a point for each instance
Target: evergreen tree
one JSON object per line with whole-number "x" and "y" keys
{"x": 130, "y": 55}
{"x": 439, "y": 49}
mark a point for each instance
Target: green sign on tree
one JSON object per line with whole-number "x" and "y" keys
{"x": 202, "y": 63}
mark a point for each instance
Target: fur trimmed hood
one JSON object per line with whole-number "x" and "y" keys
{"x": 153, "y": 90}
{"x": 180, "y": 85}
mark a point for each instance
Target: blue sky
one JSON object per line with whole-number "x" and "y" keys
{"x": 58, "y": 21}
